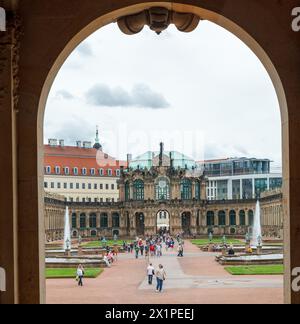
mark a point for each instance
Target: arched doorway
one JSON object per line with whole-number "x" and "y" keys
{"x": 140, "y": 224}
{"x": 163, "y": 222}
{"x": 46, "y": 63}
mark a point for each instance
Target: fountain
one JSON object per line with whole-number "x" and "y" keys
{"x": 67, "y": 233}
{"x": 257, "y": 232}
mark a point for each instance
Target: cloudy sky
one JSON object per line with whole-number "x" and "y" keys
{"x": 204, "y": 94}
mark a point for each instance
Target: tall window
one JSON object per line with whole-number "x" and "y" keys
{"x": 101, "y": 172}
{"x": 82, "y": 221}
{"x": 251, "y": 217}
{"x": 93, "y": 172}
{"x": 93, "y": 221}
{"x": 210, "y": 218}
{"x": 242, "y": 218}
{"x": 103, "y": 220}
{"x": 67, "y": 170}
{"x": 138, "y": 190}
{"x": 57, "y": 170}
{"x": 115, "y": 220}
{"x": 186, "y": 189}
{"x": 74, "y": 220}
{"x": 162, "y": 189}
{"x": 75, "y": 171}
{"x": 222, "y": 218}
{"x": 84, "y": 171}
{"x": 127, "y": 191}
{"x": 232, "y": 218}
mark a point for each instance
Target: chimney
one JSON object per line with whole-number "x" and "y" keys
{"x": 52, "y": 142}
{"x": 61, "y": 143}
{"x": 78, "y": 143}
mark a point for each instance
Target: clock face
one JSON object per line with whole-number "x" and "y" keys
{"x": 162, "y": 184}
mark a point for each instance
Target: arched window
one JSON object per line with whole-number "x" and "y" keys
{"x": 103, "y": 220}
{"x": 74, "y": 220}
{"x": 242, "y": 215}
{"x": 115, "y": 220}
{"x": 232, "y": 218}
{"x": 82, "y": 221}
{"x": 186, "y": 189}
{"x": 222, "y": 218}
{"x": 127, "y": 191}
{"x": 210, "y": 218}
{"x": 162, "y": 189}
{"x": 197, "y": 190}
{"x": 93, "y": 221}
{"x": 138, "y": 190}
{"x": 251, "y": 217}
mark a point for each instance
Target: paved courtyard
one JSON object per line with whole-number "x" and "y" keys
{"x": 194, "y": 279}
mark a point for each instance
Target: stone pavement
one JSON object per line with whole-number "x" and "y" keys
{"x": 194, "y": 279}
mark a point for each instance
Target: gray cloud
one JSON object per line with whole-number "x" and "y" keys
{"x": 63, "y": 94}
{"x": 140, "y": 96}
{"x": 85, "y": 49}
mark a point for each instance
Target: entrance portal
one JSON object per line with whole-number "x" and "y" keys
{"x": 186, "y": 223}
{"x": 163, "y": 222}
{"x": 140, "y": 224}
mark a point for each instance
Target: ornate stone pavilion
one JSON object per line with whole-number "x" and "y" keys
{"x": 164, "y": 198}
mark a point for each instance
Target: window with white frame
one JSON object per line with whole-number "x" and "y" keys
{"x": 101, "y": 172}
{"x": 48, "y": 169}
{"x": 93, "y": 172}
{"x": 57, "y": 170}
{"x": 109, "y": 172}
{"x": 118, "y": 173}
{"x": 67, "y": 170}
{"x": 84, "y": 171}
{"x": 75, "y": 171}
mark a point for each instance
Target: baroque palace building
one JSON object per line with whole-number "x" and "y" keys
{"x": 169, "y": 193}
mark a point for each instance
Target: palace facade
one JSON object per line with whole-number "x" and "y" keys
{"x": 167, "y": 196}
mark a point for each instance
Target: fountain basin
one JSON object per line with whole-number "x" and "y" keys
{"x": 264, "y": 259}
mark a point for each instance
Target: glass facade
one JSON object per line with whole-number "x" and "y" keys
{"x": 247, "y": 189}
{"x": 222, "y": 192}
{"x": 275, "y": 183}
{"x": 261, "y": 185}
{"x": 236, "y": 189}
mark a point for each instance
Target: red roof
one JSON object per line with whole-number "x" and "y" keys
{"x": 80, "y": 158}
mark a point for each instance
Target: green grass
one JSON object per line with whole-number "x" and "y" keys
{"x": 202, "y": 242}
{"x": 98, "y": 244}
{"x": 256, "y": 270}
{"x": 63, "y": 273}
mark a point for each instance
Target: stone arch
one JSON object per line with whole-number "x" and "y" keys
{"x": 95, "y": 16}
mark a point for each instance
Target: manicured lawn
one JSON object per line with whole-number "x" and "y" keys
{"x": 256, "y": 270}
{"x": 96, "y": 244}
{"x": 216, "y": 241}
{"x": 63, "y": 273}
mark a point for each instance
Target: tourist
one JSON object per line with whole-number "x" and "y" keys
{"x": 231, "y": 251}
{"x": 180, "y": 250}
{"x": 150, "y": 273}
{"x": 80, "y": 274}
{"x": 160, "y": 278}
{"x": 142, "y": 248}
{"x": 137, "y": 250}
{"x": 146, "y": 250}
{"x": 105, "y": 259}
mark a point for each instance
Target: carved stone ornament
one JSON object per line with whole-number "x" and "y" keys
{"x": 158, "y": 19}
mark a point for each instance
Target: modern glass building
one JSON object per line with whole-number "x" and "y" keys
{"x": 239, "y": 178}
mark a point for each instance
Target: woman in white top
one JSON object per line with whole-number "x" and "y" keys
{"x": 80, "y": 274}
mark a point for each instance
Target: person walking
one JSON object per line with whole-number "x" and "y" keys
{"x": 150, "y": 273}
{"x": 180, "y": 250}
{"x": 80, "y": 274}
{"x": 137, "y": 250}
{"x": 160, "y": 278}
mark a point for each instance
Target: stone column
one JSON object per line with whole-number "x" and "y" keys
{"x": 8, "y": 166}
